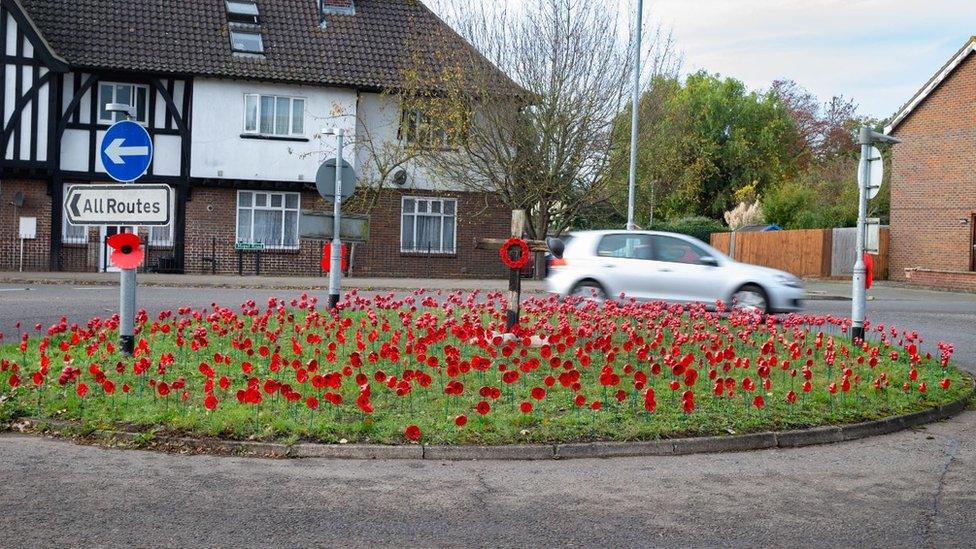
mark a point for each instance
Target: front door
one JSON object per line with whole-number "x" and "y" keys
{"x": 107, "y": 231}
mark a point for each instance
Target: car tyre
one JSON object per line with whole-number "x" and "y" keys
{"x": 751, "y": 297}
{"x": 589, "y": 289}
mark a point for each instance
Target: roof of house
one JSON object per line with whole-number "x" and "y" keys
{"x": 368, "y": 49}
{"x": 932, "y": 84}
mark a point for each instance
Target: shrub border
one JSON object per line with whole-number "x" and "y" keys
{"x": 575, "y": 450}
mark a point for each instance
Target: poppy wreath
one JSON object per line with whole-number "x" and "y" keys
{"x": 523, "y": 258}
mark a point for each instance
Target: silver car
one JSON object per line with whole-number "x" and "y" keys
{"x": 650, "y": 265}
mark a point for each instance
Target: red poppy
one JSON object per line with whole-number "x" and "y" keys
{"x": 14, "y": 381}
{"x": 483, "y": 407}
{"x": 526, "y": 407}
{"x": 312, "y": 403}
{"x": 538, "y": 393}
{"x": 759, "y": 402}
{"x": 81, "y": 390}
{"x": 461, "y": 420}
{"x": 128, "y": 253}
{"x": 596, "y": 405}
{"x": 921, "y": 387}
{"x": 412, "y": 432}
{"x": 210, "y": 403}
{"x": 791, "y": 397}
{"x": 945, "y": 383}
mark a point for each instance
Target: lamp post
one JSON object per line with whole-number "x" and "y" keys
{"x": 866, "y": 138}
{"x": 632, "y": 183}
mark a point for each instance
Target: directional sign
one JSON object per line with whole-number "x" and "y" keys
{"x": 875, "y": 173}
{"x": 126, "y": 151}
{"x": 119, "y": 204}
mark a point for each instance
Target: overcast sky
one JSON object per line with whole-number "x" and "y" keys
{"x": 878, "y": 52}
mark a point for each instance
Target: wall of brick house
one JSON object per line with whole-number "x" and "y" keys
{"x": 37, "y": 204}
{"x": 951, "y": 280}
{"x": 478, "y": 216}
{"x": 933, "y": 183}
{"x": 211, "y": 222}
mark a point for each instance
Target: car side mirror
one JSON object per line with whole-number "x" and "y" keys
{"x": 709, "y": 260}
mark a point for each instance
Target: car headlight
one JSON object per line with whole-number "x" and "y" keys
{"x": 789, "y": 280}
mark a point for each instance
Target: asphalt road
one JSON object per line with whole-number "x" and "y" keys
{"x": 907, "y": 489}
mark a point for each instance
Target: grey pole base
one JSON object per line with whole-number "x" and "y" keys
{"x": 127, "y": 344}
{"x": 333, "y": 301}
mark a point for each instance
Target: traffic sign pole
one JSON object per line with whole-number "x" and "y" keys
{"x": 866, "y": 188}
{"x": 335, "y": 273}
{"x": 127, "y": 311}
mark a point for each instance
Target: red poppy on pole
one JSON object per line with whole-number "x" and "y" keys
{"x": 127, "y": 251}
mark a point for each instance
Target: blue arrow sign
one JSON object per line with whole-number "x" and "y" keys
{"x": 126, "y": 151}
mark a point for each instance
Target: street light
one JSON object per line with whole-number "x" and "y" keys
{"x": 632, "y": 183}
{"x": 866, "y": 138}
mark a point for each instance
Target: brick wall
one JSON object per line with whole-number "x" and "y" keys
{"x": 478, "y": 216}
{"x": 952, "y": 280}
{"x": 37, "y": 204}
{"x": 212, "y": 213}
{"x": 933, "y": 183}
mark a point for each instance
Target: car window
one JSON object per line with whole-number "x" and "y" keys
{"x": 629, "y": 246}
{"x": 676, "y": 250}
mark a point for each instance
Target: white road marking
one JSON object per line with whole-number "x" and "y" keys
{"x": 14, "y": 289}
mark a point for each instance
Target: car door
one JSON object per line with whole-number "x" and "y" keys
{"x": 621, "y": 263}
{"x": 680, "y": 275}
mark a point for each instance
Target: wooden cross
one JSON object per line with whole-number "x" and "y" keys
{"x": 515, "y": 275}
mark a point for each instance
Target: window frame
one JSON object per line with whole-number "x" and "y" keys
{"x": 413, "y": 121}
{"x": 241, "y": 16}
{"x": 274, "y": 115}
{"x": 415, "y": 214}
{"x": 284, "y": 209}
{"x": 134, "y": 93}
{"x": 252, "y": 31}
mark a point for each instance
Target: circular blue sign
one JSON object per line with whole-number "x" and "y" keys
{"x": 126, "y": 151}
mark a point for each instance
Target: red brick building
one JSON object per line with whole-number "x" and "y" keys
{"x": 933, "y": 183}
{"x": 234, "y": 95}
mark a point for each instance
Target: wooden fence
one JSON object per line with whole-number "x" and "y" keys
{"x": 817, "y": 253}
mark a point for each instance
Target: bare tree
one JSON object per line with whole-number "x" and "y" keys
{"x": 547, "y": 146}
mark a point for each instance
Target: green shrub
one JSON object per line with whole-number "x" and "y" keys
{"x": 698, "y": 227}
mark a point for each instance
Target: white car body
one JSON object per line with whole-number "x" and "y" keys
{"x": 645, "y": 265}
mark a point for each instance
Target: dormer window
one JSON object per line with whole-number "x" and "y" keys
{"x": 242, "y": 11}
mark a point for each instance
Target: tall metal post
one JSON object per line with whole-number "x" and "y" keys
{"x": 335, "y": 272}
{"x": 632, "y": 184}
{"x": 860, "y": 272}
{"x": 127, "y": 311}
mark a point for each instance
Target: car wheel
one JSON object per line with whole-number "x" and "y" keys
{"x": 751, "y": 298}
{"x": 589, "y": 289}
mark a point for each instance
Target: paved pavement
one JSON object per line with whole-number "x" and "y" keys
{"x": 907, "y": 489}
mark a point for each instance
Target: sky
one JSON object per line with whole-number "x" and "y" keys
{"x": 877, "y": 52}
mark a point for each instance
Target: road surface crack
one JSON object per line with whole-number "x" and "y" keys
{"x": 952, "y": 447}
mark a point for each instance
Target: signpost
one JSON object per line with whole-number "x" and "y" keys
{"x": 869, "y": 169}
{"x": 126, "y": 152}
{"x": 336, "y": 181}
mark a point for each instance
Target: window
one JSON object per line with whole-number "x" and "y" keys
{"x": 626, "y": 246}
{"x": 676, "y": 250}
{"x": 268, "y": 218}
{"x": 134, "y": 95}
{"x": 419, "y": 128}
{"x": 242, "y": 11}
{"x": 428, "y": 224}
{"x": 274, "y": 115}
{"x": 161, "y": 236}
{"x": 246, "y": 41}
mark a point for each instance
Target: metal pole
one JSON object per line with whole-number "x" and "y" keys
{"x": 127, "y": 311}
{"x": 335, "y": 274}
{"x": 632, "y": 184}
{"x": 858, "y": 295}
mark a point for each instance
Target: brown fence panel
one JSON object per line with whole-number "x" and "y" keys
{"x": 802, "y": 252}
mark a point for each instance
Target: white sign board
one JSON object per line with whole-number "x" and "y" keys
{"x": 875, "y": 173}
{"x": 28, "y": 228}
{"x": 872, "y": 235}
{"x": 119, "y": 204}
